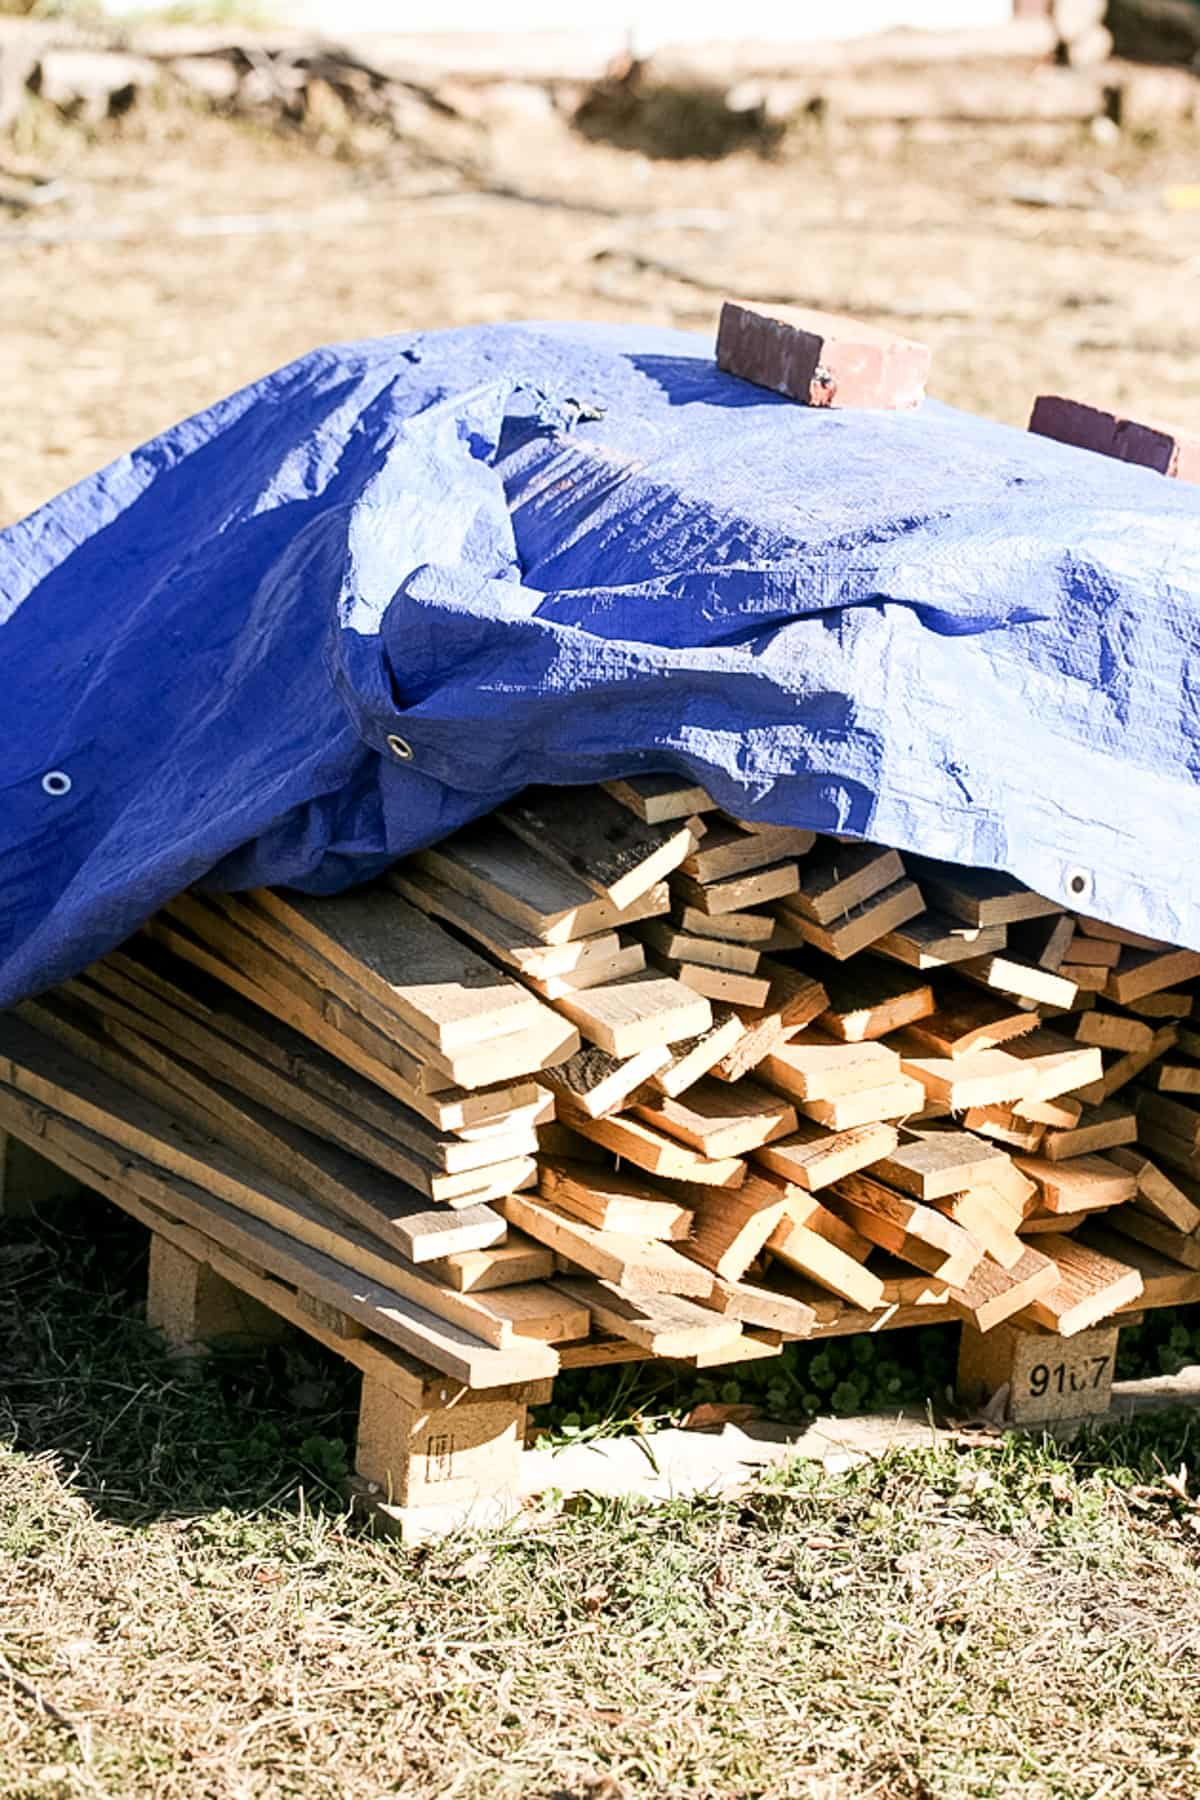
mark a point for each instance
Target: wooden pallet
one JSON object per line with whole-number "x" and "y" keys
{"x": 427, "y": 1441}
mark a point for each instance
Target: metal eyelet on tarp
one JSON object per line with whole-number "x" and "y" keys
{"x": 56, "y": 783}
{"x": 1079, "y": 883}
{"x": 399, "y": 748}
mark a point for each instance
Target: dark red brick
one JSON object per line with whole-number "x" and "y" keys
{"x": 820, "y": 358}
{"x": 1152, "y": 446}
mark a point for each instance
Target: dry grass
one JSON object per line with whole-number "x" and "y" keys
{"x": 186, "y": 1614}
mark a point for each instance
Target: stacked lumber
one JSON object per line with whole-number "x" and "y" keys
{"x": 612, "y": 1073}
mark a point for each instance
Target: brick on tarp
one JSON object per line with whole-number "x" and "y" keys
{"x": 819, "y": 358}
{"x": 1162, "y": 447}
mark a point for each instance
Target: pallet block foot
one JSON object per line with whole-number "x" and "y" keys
{"x": 451, "y": 1454}
{"x": 1048, "y": 1378}
{"x": 28, "y": 1181}
{"x": 193, "y": 1307}
{"x": 420, "y": 1524}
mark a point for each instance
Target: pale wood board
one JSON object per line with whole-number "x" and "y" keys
{"x": 624, "y": 1017}
{"x": 663, "y": 1324}
{"x": 737, "y": 892}
{"x": 612, "y": 1201}
{"x": 636, "y": 1265}
{"x": 658, "y": 799}
{"x": 812, "y": 1157}
{"x": 514, "y": 945}
{"x": 933, "y": 941}
{"x": 598, "y": 840}
{"x": 979, "y": 896}
{"x": 836, "y": 878}
{"x": 598, "y": 1083}
{"x": 1091, "y": 1287}
{"x": 721, "y": 1118}
{"x": 652, "y": 1150}
{"x": 897, "y": 1099}
{"x": 695, "y": 1057}
{"x": 860, "y": 926}
{"x": 816, "y": 1066}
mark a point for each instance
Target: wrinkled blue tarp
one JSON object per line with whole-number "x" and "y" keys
{"x": 567, "y": 553}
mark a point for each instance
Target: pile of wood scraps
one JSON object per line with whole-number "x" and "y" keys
{"x": 613, "y": 1074}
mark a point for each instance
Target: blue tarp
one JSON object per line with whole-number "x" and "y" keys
{"x": 565, "y": 553}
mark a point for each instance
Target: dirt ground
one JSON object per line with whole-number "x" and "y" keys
{"x": 143, "y": 295}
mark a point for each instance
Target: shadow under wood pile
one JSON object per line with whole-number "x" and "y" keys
{"x": 612, "y": 1073}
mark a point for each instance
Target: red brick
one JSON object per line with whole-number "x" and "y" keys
{"x": 1151, "y": 446}
{"x": 820, "y": 358}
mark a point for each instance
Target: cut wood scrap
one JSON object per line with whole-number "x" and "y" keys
{"x": 1118, "y": 1072}
{"x": 636, "y": 1265}
{"x": 1087, "y": 978}
{"x": 1177, "y": 1077}
{"x": 1169, "y": 1148}
{"x": 895, "y": 1100}
{"x": 1171, "y": 1201}
{"x": 489, "y": 864}
{"x": 732, "y": 927}
{"x": 992, "y": 1294}
{"x": 720, "y": 984}
{"x": 1093, "y": 952}
{"x": 934, "y": 941}
{"x": 385, "y": 947}
{"x": 814, "y": 1256}
{"x": 1113, "y": 1031}
{"x": 981, "y": 1213}
{"x": 516, "y": 946}
{"x": 1165, "y": 1282}
{"x": 967, "y": 1019}
{"x": 1024, "y": 981}
{"x": 1188, "y": 1040}
{"x": 810, "y": 1211}
{"x": 816, "y": 1066}
{"x": 730, "y": 1230}
{"x": 1102, "y": 1127}
{"x": 1090, "y": 1287}
{"x": 659, "y": 799}
{"x": 1004, "y": 1125}
{"x": 1166, "y": 1005}
{"x": 1168, "y": 1113}
{"x": 794, "y": 1001}
{"x": 624, "y": 1017}
{"x": 907, "y": 1287}
{"x": 694, "y": 1057}
{"x": 1039, "y": 1066}
{"x": 869, "y": 997}
{"x": 664, "y": 1324}
{"x": 859, "y": 926}
{"x": 979, "y": 896}
{"x": 518, "y": 1259}
{"x": 679, "y": 946}
{"x": 910, "y": 1229}
{"x": 630, "y": 959}
{"x": 1060, "y": 1066}
{"x": 727, "y": 850}
{"x": 1043, "y": 941}
{"x": 611, "y": 1201}
{"x": 1062, "y": 1112}
{"x": 1015, "y": 1189}
{"x": 538, "y": 1310}
{"x": 812, "y": 1157}
{"x": 652, "y": 1150}
{"x": 1181, "y": 1246}
{"x": 737, "y": 892}
{"x": 1142, "y": 972}
{"x": 837, "y": 877}
{"x": 721, "y": 1118}
{"x": 597, "y": 839}
{"x": 1084, "y": 1184}
{"x": 932, "y": 1164}
{"x": 1117, "y": 934}
{"x": 763, "y": 1307}
{"x": 597, "y": 1083}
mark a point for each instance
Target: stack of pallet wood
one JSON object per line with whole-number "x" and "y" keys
{"x": 612, "y": 1073}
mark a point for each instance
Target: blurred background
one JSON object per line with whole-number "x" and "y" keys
{"x": 191, "y": 195}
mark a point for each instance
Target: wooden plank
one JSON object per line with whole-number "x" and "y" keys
{"x": 730, "y": 1229}
{"x": 812, "y": 1157}
{"x": 1043, "y": 941}
{"x": 981, "y": 1212}
{"x": 538, "y": 1310}
{"x": 1085, "y": 977}
{"x": 816, "y": 1066}
{"x": 966, "y": 1019}
{"x": 908, "y": 1228}
{"x": 1167, "y": 1113}
{"x": 752, "y": 1304}
{"x": 932, "y": 941}
{"x": 1024, "y": 981}
{"x": 1102, "y": 1127}
{"x": 636, "y": 1265}
{"x": 663, "y": 1324}
{"x": 823, "y": 1262}
{"x": 737, "y": 892}
{"x": 391, "y": 950}
{"x": 1084, "y": 1184}
{"x": 726, "y": 850}
{"x": 895, "y": 1100}
{"x": 518, "y": 1259}
{"x": 1165, "y": 1281}
{"x": 1117, "y": 934}
{"x": 1165, "y": 1005}
{"x": 1039, "y": 1066}
{"x": 1168, "y": 1148}
{"x": 624, "y": 1017}
{"x": 839, "y": 877}
{"x": 1004, "y": 1125}
{"x": 514, "y": 945}
{"x": 860, "y": 926}
{"x": 992, "y": 1294}
{"x": 1091, "y": 1287}
{"x": 659, "y": 799}
{"x": 932, "y": 1164}
{"x": 1093, "y": 952}
{"x": 732, "y": 927}
{"x": 598, "y": 840}
{"x": 1142, "y": 972}
{"x": 979, "y": 896}
{"x": 697, "y": 1056}
{"x": 721, "y": 1118}
{"x": 612, "y": 1201}
{"x": 680, "y": 946}
{"x": 794, "y": 1001}
{"x": 1181, "y": 1246}
{"x": 1177, "y": 1078}
{"x": 597, "y": 1083}
{"x": 721, "y": 985}
{"x": 1119, "y": 1072}
{"x": 1113, "y": 1031}
{"x": 870, "y": 997}
{"x": 1157, "y": 1194}
{"x": 656, "y": 1153}
{"x": 630, "y": 959}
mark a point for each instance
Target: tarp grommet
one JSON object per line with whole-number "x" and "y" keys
{"x": 56, "y": 783}
{"x": 1079, "y": 883}
{"x": 400, "y": 749}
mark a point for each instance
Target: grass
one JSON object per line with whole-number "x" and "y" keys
{"x": 187, "y": 1614}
